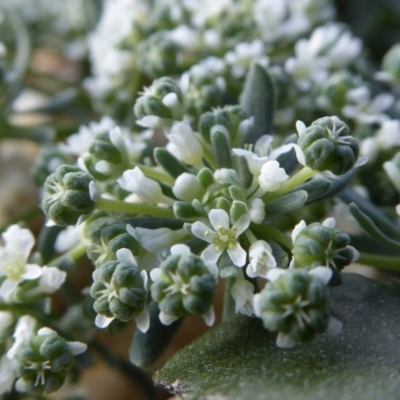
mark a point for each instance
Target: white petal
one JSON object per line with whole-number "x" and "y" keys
{"x": 301, "y": 127}
{"x": 203, "y": 232}
{"x": 275, "y": 273}
{"x": 96, "y": 275}
{"x": 77, "y": 347}
{"x": 145, "y": 279}
{"x": 21, "y": 386}
{"x": 237, "y": 255}
{"x": 212, "y": 268}
{"x": 7, "y": 287}
{"x": 155, "y": 274}
{"x": 32, "y": 271}
{"x": 301, "y": 158}
{"x": 167, "y": 319}
{"x": 132, "y": 231}
{"x": 297, "y": 229}
{"x": 242, "y": 224}
{"x": 209, "y": 316}
{"x": 356, "y": 254}
{"x": 19, "y": 240}
{"x": 324, "y": 273}
{"x": 211, "y": 254}
{"x": 126, "y": 255}
{"x": 360, "y": 162}
{"x": 180, "y": 249}
{"x": 329, "y": 223}
{"x": 102, "y": 321}
{"x": 219, "y": 218}
{"x": 143, "y": 321}
{"x": 284, "y": 341}
{"x": 94, "y": 191}
{"x": 257, "y": 304}
{"x": 334, "y": 326}
{"x": 45, "y": 331}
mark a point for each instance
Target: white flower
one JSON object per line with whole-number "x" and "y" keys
{"x": 223, "y": 238}
{"x": 24, "y": 329}
{"x": 243, "y": 292}
{"x": 7, "y": 375}
{"x": 388, "y": 135}
{"x": 187, "y": 187}
{"x": 68, "y": 238}
{"x": 18, "y": 243}
{"x": 261, "y": 259}
{"x": 184, "y": 145}
{"x": 256, "y": 210}
{"x": 148, "y": 190}
{"x": 272, "y": 176}
{"x": 51, "y": 279}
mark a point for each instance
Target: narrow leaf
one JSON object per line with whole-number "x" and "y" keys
{"x": 169, "y": 162}
{"x": 258, "y": 99}
{"x": 287, "y": 203}
{"x": 222, "y": 149}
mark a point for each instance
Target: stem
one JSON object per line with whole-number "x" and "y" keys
{"x": 153, "y": 173}
{"x": 75, "y": 254}
{"x": 296, "y": 180}
{"x": 229, "y": 302}
{"x": 391, "y": 263}
{"x": 273, "y": 233}
{"x": 133, "y": 208}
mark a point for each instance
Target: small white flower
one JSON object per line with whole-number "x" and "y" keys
{"x": 187, "y": 187}
{"x": 51, "y": 279}
{"x": 256, "y": 210}
{"x": 184, "y": 145}
{"x": 18, "y": 243}
{"x": 223, "y": 237}
{"x": 148, "y": 190}
{"x": 261, "y": 259}
{"x": 272, "y": 176}
{"x": 243, "y": 292}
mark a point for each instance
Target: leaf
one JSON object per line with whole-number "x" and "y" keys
{"x": 239, "y": 359}
{"x": 222, "y": 149}
{"x": 169, "y": 162}
{"x": 316, "y": 188}
{"x": 371, "y": 229}
{"x": 258, "y": 100}
{"x": 287, "y": 203}
{"x": 146, "y": 348}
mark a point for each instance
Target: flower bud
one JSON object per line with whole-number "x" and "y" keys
{"x": 327, "y": 146}
{"x": 42, "y": 362}
{"x": 185, "y": 285}
{"x": 160, "y": 102}
{"x": 70, "y": 195}
{"x": 233, "y": 118}
{"x": 108, "y": 240}
{"x": 322, "y": 244}
{"x": 119, "y": 291}
{"x": 296, "y": 305}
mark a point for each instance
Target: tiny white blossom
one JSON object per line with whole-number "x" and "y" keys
{"x": 187, "y": 187}
{"x": 272, "y": 176}
{"x": 184, "y": 145}
{"x": 148, "y": 190}
{"x": 261, "y": 259}
{"x": 14, "y": 266}
{"x": 243, "y": 293}
{"x": 223, "y": 237}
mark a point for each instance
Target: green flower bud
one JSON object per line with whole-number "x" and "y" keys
{"x": 157, "y": 55}
{"x": 49, "y": 159}
{"x": 185, "y": 285}
{"x": 152, "y": 104}
{"x": 43, "y": 362}
{"x": 295, "y": 304}
{"x": 70, "y": 196}
{"x": 103, "y": 159}
{"x": 119, "y": 290}
{"x": 233, "y": 118}
{"x": 108, "y": 240}
{"x": 327, "y": 146}
{"x": 322, "y": 244}
{"x": 391, "y": 62}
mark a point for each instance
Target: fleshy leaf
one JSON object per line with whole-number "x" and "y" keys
{"x": 258, "y": 99}
{"x": 240, "y": 360}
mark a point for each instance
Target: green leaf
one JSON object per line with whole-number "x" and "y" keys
{"x": 371, "y": 229}
{"x": 146, "y": 348}
{"x": 258, "y": 100}
{"x": 239, "y": 359}
{"x": 222, "y": 148}
{"x": 169, "y": 162}
{"x": 316, "y": 188}
{"x": 287, "y": 203}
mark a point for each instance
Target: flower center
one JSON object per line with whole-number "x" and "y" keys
{"x": 179, "y": 285}
{"x": 40, "y": 368}
{"x": 110, "y": 291}
{"x": 226, "y": 238}
{"x": 14, "y": 266}
{"x": 297, "y": 310}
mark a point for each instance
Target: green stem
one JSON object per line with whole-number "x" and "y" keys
{"x": 229, "y": 302}
{"x": 391, "y": 263}
{"x": 292, "y": 183}
{"x": 75, "y": 254}
{"x": 133, "y": 208}
{"x": 158, "y": 175}
{"x": 273, "y": 233}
